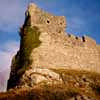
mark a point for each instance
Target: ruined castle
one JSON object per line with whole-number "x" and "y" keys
{"x": 57, "y": 49}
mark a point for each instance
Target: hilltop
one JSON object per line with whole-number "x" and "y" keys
{"x": 72, "y": 85}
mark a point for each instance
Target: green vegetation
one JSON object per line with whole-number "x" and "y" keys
{"x": 29, "y": 41}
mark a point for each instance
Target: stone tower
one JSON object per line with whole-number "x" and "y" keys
{"x": 50, "y": 47}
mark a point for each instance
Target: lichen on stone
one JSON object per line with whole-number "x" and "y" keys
{"x": 29, "y": 41}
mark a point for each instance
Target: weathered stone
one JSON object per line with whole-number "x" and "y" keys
{"x": 57, "y": 50}
{"x": 38, "y": 75}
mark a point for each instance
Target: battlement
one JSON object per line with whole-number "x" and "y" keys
{"x": 83, "y": 41}
{"x": 54, "y": 25}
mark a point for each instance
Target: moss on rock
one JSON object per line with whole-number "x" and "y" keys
{"x": 29, "y": 41}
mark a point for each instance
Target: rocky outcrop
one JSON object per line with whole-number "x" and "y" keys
{"x": 38, "y": 76}
{"x": 56, "y": 84}
{"x": 44, "y": 46}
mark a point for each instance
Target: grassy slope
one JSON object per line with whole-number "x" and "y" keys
{"x": 59, "y": 91}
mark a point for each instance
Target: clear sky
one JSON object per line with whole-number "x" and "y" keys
{"x": 83, "y": 18}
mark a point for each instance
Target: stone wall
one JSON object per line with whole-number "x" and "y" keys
{"x": 59, "y": 49}
{"x": 48, "y": 22}
{"x": 53, "y": 53}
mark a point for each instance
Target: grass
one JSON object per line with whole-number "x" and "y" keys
{"x": 91, "y": 75}
{"x": 57, "y": 92}
{"x": 50, "y": 92}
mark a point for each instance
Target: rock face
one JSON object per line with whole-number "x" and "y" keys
{"x": 50, "y": 47}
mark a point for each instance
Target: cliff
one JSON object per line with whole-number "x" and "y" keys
{"x": 46, "y": 49}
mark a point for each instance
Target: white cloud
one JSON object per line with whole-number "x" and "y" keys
{"x": 7, "y": 51}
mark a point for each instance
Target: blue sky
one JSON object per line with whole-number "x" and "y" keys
{"x": 83, "y": 18}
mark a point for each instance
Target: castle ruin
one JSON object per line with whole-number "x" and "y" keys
{"x": 59, "y": 49}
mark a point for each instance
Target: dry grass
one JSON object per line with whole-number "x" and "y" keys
{"x": 58, "y": 91}
{"x": 46, "y": 92}
{"x": 90, "y": 75}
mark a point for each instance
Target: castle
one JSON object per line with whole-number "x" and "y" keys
{"x": 56, "y": 50}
